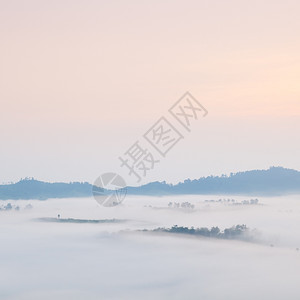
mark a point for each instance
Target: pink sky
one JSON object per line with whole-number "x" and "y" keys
{"x": 81, "y": 81}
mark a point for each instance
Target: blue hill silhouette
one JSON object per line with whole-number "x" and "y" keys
{"x": 274, "y": 181}
{"x": 34, "y": 189}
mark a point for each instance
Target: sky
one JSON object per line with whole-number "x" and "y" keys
{"x": 81, "y": 82}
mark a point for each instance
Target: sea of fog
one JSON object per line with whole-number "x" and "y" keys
{"x": 115, "y": 260}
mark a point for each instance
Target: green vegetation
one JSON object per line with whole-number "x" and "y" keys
{"x": 240, "y": 232}
{"x": 80, "y": 221}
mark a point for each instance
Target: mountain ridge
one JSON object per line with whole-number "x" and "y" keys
{"x": 271, "y": 182}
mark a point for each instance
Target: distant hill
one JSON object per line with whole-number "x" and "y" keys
{"x": 271, "y": 182}
{"x": 34, "y": 189}
{"x": 274, "y": 181}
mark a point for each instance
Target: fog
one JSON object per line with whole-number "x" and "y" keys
{"x": 54, "y": 260}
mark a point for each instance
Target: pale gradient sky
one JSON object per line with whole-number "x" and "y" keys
{"x": 81, "y": 81}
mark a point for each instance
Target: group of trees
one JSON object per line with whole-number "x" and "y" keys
{"x": 9, "y": 206}
{"x": 182, "y": 205}
{"x": 234, "y": 232}
{"x": 234, "y": 202}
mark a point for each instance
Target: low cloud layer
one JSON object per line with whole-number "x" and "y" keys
{"x": 47, "y": 260}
